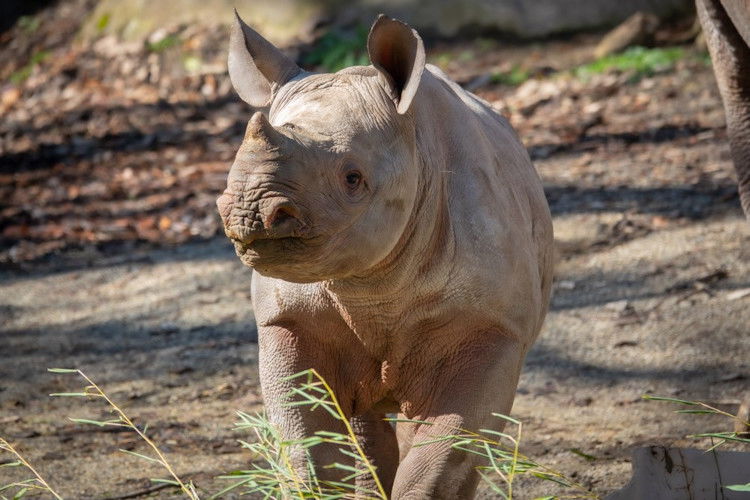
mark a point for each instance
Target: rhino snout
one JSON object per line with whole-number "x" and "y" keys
{"x": 265, "y": 219}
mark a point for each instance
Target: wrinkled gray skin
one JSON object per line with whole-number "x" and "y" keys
{"x": 726, "y": 25}
{"x": 402, "y": 246}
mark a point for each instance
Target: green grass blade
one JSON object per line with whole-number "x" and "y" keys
{"x": 164, "y": 481}
{"x": 490, "y": 481}
{"x": 506, "y": 417}
{"x": 98, "y": 423}
{"x": 140, "y": 455}
{"x": 586, "y": 456}
{"x": 697, "y": 412}
{"x": 648, "y": 397}
{"x": 20, "y": 493}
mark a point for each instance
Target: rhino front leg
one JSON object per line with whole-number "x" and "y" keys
{"x": 282, "y": 353}
{"x": 731, "y": 61}
{"x": 477, "y": 381}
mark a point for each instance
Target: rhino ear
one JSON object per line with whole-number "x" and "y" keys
{"x": 397, "y": 52}
{"x": 256, "y": 67}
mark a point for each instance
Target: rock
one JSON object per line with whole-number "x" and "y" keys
{"x": 521, "y": 19}
{"x": 669, "y": 473}
{"x": 287, "y": 22}
{"x": 638, "y": 29}
{"x": 284, "y": 22}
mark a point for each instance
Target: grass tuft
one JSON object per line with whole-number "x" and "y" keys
{"x": 163, "y": 44}
{"x": 273, "y": 475}
{"x": 21, "y": 75}
{"x": 29, "y": 24}
{"x": 92, "y": 390}
{"x": 640, "y": 61}
{"x": 336, "y": 50}
{"x": 21, "y": 488}
{"x": 275, "y": 470}
{"x": 515, "y": 77}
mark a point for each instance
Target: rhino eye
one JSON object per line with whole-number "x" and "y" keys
{"x": 353, "y": 179}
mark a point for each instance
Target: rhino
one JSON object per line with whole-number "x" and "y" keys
{"x": 726, "y": 26}
{"x": 401, "y": 245}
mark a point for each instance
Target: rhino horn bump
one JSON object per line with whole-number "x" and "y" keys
{"x": 261, "y": 130}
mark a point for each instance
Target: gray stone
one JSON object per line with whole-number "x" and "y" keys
{"x": 286, "y": 22}
{"x": 682, "y": 474}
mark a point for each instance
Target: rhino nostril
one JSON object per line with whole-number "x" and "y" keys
{"x": 280, "y": 214}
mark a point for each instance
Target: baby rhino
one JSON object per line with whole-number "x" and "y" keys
{"x": 402, "y": 246}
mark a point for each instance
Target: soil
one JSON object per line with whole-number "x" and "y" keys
{"x": 111, "y": 261}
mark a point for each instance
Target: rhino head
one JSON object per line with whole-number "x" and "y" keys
{"x": 325, "y": 181}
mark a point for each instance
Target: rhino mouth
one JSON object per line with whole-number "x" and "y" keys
{"x": 260, "y": 244}
{"x": 275, "y": 251}
{"x": 247, "y": 238}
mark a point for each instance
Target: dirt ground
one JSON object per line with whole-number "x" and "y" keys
{"x": 652, "y": 291}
